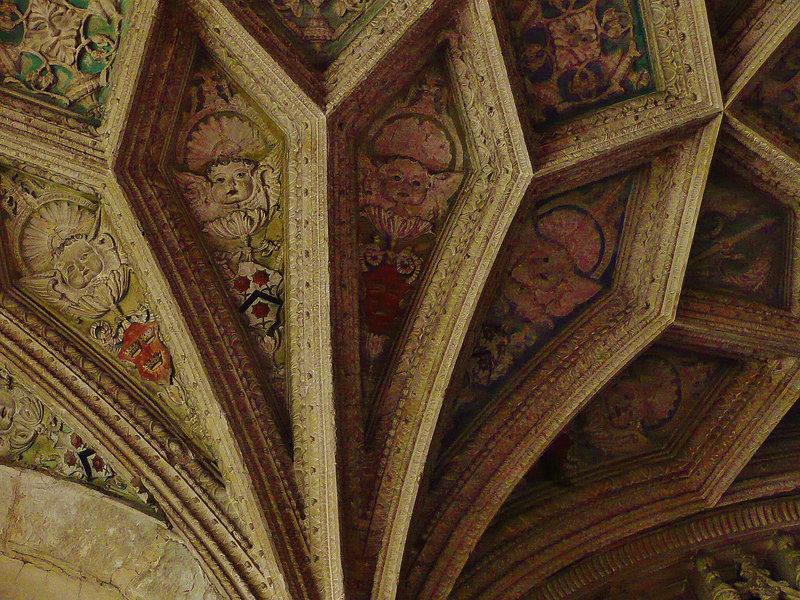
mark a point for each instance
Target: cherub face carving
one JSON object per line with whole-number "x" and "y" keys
{"x": 80, "y": 262}
{"x": 231, "y": 181}
{"x": 75, "y": 261}
{"x": 405, "y": 181}
{"x": 83, "y": 263}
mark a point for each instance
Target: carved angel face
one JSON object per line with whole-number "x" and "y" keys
{"x": 231, "y": 181}
{"x": 405, "y": 181}
{"x": 82, "y": 260}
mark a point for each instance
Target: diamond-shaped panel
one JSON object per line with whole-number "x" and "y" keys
{"x": 228, "y": 159}
{"x": 411, "y": 164}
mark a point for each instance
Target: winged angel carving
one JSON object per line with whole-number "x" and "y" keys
{"x": 229, "y": 170}
{"x": 70, "y": 259}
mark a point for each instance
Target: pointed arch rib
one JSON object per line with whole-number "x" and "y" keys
{"x": 500, "y": 171}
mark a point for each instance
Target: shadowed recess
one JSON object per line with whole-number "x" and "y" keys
{"x": 741, "y": 242}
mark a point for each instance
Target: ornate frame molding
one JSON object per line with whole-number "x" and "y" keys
{"x": 483, "y": 465}
{"x": 545, "y": 530}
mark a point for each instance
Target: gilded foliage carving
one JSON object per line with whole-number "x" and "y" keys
{"x": 61, "y": 51}
{"x": 411, "y": 166}
{"x": 575, "y": 55}
{"x": 229, "y": 163}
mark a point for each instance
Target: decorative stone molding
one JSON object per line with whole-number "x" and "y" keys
{"x": 499, "y": 171}
{"x": 548, "y": 527}
{"x": 302, "y": 523}
{"x": 472, "y": 478}
{"x": 713, "y": 532}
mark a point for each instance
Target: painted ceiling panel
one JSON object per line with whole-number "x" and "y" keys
{"x": 228, "y": 160}
{"x": 638, "y": 413}
{"x": 411, "y": 165}
{"x": 63, "y": 252}
{"x": 560, "y": 256}
{"x": 773, "y": 102}
{"x": 576, "y": 55}
{"x": 412, "y": 129}
{"x": 741, "y": 242}
{"x": 61, "y": 51}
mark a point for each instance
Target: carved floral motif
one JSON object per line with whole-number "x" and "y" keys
{"x": 228, "y": 163}
{"x": 410, "y": 168}
{"x": 61, "y": 51}
{"x": 561, "y": 255}
{"x": 32, "y": 436}
{"x": 577, "y": 54}
{"x": 740, "y": 243}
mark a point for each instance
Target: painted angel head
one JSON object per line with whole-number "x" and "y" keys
{"x": 414, "y": 171}
{"x": 75, "y": 260}
{"x": 233, "y": 178}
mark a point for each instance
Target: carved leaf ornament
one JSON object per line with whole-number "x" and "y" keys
{"x": 61, "y": 51}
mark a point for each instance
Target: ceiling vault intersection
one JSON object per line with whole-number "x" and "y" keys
{"x": 399, "y": 300}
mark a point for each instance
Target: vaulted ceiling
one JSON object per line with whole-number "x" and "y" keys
{"x": 379, "y": 299}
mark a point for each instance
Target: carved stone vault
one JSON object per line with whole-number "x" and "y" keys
{"x": 391, "y": 299}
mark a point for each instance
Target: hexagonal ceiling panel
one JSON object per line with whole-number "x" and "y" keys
{"x": 577, "y": 55}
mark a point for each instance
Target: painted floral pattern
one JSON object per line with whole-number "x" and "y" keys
{"x": 560, "y": 256}
{"x": 635, "y": 414}
{"x": 61, "y": 51}
{"x": 741, "y": 242}
{"x": 578, "y": 54}
{"x": 411, "y": 165}
{"x": 33, "y": 436}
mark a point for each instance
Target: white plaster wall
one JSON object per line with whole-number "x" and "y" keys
{"x": 60, "y": 540}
